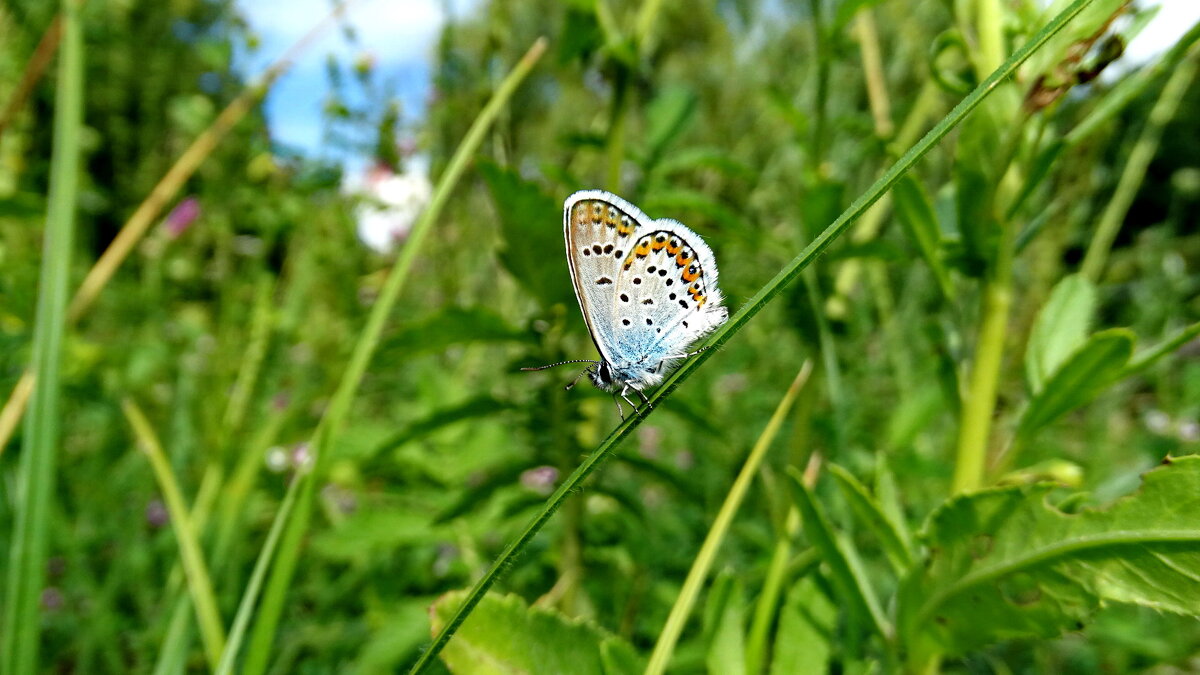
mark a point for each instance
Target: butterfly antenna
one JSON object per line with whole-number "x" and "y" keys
{"x": 562, "y": 363}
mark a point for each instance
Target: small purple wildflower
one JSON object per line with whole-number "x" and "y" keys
{"x": 156, "y": 514}
{"x": 52, "y": 599}
{"x": 540, "y": 479}
{"x": 182, "y": 216}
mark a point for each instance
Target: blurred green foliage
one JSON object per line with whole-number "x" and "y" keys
{"x": 750, "y": 122}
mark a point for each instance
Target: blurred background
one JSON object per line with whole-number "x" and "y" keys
{"x": 232, "y": 320}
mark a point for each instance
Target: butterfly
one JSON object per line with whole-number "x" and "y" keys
{"x": 647, "y": 289}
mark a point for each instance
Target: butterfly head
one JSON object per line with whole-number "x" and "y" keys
{"x": 602, "y": 376}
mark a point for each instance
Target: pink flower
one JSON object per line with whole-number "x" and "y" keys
{"x": 182, "y": 216}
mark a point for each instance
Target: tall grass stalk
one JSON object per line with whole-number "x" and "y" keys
{"x": 775, "y": 286}
{"x": 665, "y": 647}
{"x": 259, "y": 648}
{"x": 151, "y": 208}
{"x": 1135, "y": 167}
{"x": 198, "y": 579}
{"x": 43, "y": 426}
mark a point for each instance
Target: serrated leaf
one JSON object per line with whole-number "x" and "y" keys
{"x": 530, "y": 221}
{"x": 807, "y": 621}
{"x": 915, "y": 211}
{"x": 871, "y": 514}
{"x": 1061, "y": 326}
{"x": 1094, "y": 366}
{"x": 850, "y": 585}
{"x": 1006, "y": 564}
{"x": 505, "y": 636}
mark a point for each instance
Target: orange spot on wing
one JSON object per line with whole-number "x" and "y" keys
{"x": 689, "y": 276}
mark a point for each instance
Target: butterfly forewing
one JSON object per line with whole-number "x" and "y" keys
{"x": 647, "y": 288}
{"x": 598, "y": 229}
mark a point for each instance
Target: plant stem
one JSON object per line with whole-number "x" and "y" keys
{"x": 665, "y": 647}
{"x": 743, "y": 316}
{"x": 199, "y": 581}
{"x": 872, "y": 64}
{"x": 979, "y": 402}
{"x": 1135, "y": 167}
{"x": 43, "y": 427}
{"x": 331, "y": 423}
{"x": 616, "y": 129}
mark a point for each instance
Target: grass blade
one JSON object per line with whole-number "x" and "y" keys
{"x": 297, "y": 522}
{"x": 35, "y": 477}
{"x": 747, "y": 312}
{"x": 849, "y": 581}
{"x": 665, "y": 647}
{"x": 198, "y": 580}
{"x": 242, "y": 620}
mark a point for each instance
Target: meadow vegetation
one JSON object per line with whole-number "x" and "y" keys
{"x": 950, "y": 426}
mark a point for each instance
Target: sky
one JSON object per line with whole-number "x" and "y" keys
{"x": 400, "y": 36}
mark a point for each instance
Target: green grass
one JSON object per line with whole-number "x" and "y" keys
{"x": 997, "y": 292}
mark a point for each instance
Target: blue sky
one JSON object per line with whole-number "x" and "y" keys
{"x": 400, "y": 35}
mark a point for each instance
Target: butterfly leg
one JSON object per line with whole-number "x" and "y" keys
{"x": 620, "y": 410}
{"x": 624, "y": 391}
{"x": 645, "y": 400}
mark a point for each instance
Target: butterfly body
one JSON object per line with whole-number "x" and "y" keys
{"x": 647, "y": 288}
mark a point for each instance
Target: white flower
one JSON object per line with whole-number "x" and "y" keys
{"x": 390, "y": 204}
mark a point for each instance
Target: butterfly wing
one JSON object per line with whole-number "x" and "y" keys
{"x": 666, "y": 297}
{"x": 598, "y": 227}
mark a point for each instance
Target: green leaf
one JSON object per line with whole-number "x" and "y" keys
{"x": 672, "y": 202}
{"x": 691, "y": 159}
{"x": 872, "y": 515}
{"x": 530, "y": 221}
{"x": 475, "y": 408}
{"x": 1061, "y": 326}
{"x": 1005, "y": 564}
{"x": 849, "y": 583}
{"x": 451, "y": 326}
{"x": 804, "y": 639}
{"x": 915, "y": 211}
{"x": 505, "y": 636}
{"x": 1088, "y": 371}
{"x": 725, "y": 626}
{"x": 668, "y": 116}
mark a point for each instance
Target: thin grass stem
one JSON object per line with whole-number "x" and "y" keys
{"x": 212, "y": 634}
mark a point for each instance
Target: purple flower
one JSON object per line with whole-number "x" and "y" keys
{"x": 52, "y": 599}
{"x": 156, "y": 514}
{"x": 540, "y": 479}
{"x": 182, "y": 216}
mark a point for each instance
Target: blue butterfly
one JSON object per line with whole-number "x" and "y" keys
{"x": 647, "y": 289}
